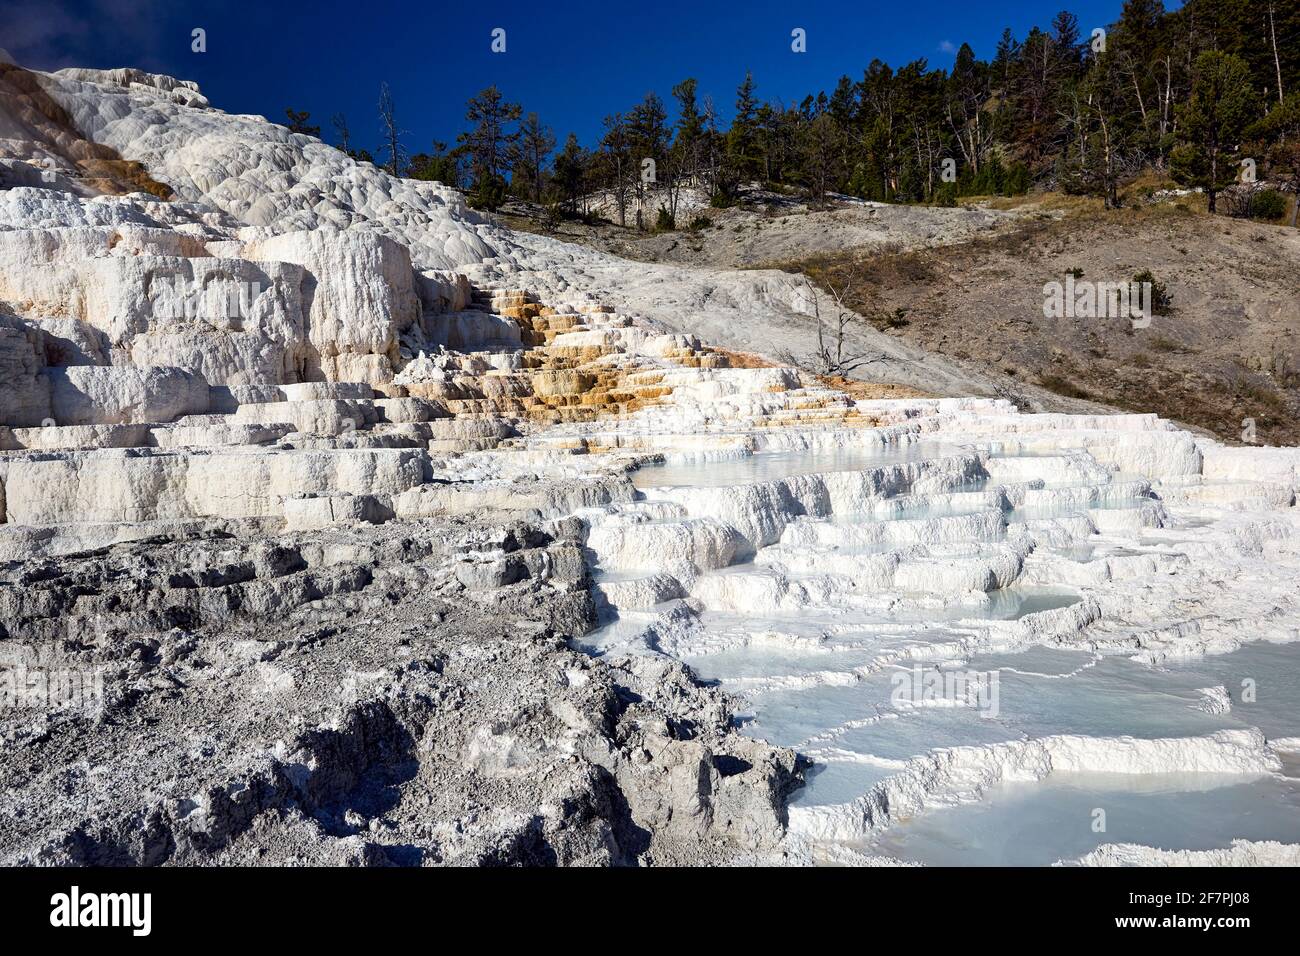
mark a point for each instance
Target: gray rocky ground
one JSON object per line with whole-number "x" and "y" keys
{"x": 399, "y": 695}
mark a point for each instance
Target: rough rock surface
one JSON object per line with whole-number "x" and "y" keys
{"x": 400, "y": 697}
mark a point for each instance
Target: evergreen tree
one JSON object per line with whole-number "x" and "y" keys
{"x": 440, "y": 166}
{"x": 741, "y": 159}
{"x": 532, "y": 149}
{"x": 298, "y": 122}
{"x": 489, "y": 142}
{"x": 687, "y": 153}
{"x": 1277, "y": 138}
{"x": 1212, "y": 121}
{"x": 649, "y": 138}
{"x": 570, "y": 173}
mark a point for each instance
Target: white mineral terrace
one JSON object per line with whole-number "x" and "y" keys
{"x": 986, "y": 629}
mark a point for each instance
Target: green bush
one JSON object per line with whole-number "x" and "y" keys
{"x": 1268, "y": 204}
{"x": 946, "y": 195}
{"x": 1018, "y": 180}
{"x": 664, "y": 221}
{"x": 990, "y": 180}
{"x": 725, "y": 195}
{"x": 489, "y": 193}
{"x": 552, "y": 216}
{"x": 1160, "y": 301}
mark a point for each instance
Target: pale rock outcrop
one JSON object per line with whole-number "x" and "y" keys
{"x": 119, "y": 486}
{"x": 682, "y": 547}
{"x": 105, "y": 299}
{"x": 359, "y": 294}
{"x": 1239, "y": 853}
{"x": 120, "y": 395}
{"x": 312, "y": 417}
{"x": 25, "y": 388}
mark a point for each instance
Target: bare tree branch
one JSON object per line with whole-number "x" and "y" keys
{"x": 834, "y": 356}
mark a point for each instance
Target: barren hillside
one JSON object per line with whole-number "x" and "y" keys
{"x": 1226, "y": 352}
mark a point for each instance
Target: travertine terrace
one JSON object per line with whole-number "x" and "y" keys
{"x": 342, "y": 501}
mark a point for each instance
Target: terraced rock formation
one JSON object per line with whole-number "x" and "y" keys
{"x": 341, "y": 526}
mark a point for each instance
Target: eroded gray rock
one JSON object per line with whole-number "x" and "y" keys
{"x": 353, "y": 698}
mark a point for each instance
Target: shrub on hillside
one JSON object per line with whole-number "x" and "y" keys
{"x": 1018, "y": 180}
{"x": 1160, "y": 300}
{"x": 1268, "y": 204}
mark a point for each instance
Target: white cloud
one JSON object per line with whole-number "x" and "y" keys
{"x": 947, "y": 46}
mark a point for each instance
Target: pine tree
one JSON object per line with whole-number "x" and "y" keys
{"x": 741, "y": 160}
{"x": 1277, "y": 138}
{"x": 440, "y": 166}
{"x": 489, "y": 141}
{"x": 649, "y": 138}
{"x": 298, "y": 122}
{"x": 686, "y": 157}
{"x": 570, "y": 173}
{"x": 531, "y": 151}
{"x": 822, "y": 145}
{"x": 1212, "y": 121}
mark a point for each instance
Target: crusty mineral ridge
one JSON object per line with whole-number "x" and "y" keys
{"x": 311, "y": 480}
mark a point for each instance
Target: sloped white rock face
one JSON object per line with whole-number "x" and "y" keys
{"x": 360, "y": 297}
{"x": 100, "y": 296}
{"x": 278, "y": 260}
{"x": 685, "y": 547}
{"x": 259, "y": 173}
{"x": 112, "y": 487}
{"x": 25, "y": 397}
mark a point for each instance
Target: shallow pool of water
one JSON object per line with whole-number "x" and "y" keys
{"x": 1024, "y": 824}
{"x": 836, "y": 681}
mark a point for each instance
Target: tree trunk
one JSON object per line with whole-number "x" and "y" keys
{"x": 1137, "y": 88}
{"x": 1277, "y": 63}
{"x": 1112, "y": 198}
{"x": 1213, "y": 189}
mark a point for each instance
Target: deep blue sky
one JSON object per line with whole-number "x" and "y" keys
{"x": 571, "y": 62}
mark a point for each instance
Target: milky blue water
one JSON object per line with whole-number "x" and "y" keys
{"x": 823, "y": 680}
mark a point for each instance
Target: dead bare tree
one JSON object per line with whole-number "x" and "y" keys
{"x": 392, "y": 134}
{"x": 834, "y": 356}
{"x": 340, "y": 124}
{"x": 1277, "y": 62}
